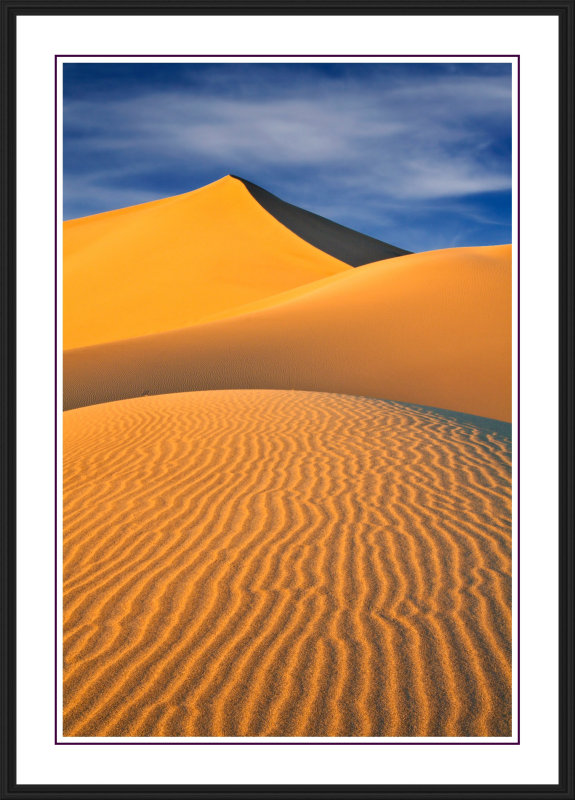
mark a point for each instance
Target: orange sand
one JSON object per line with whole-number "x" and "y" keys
{"x": 430, "y": 328}
{"x": 273, "y": 563}
{"x": 167, "y": 264}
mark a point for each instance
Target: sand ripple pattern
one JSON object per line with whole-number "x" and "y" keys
{"x": 285, "y": 563}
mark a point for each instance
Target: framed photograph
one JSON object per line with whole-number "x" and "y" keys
{"x": 287, "y": 418}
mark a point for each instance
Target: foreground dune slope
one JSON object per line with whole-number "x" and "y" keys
{"x": 273, "y": 563}
{"x": 431, "y": 328}
{"x": 166, "y": 264}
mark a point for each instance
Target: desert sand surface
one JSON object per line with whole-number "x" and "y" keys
{"x": 429, "y": 328}
{"x": 166, "y": 264}
{"x": 286, "y": 563}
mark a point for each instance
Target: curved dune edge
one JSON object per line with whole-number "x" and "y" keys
{"x": 272, "y": 563}
{"x": 166, "y": 264}
{"x": 430, "y": 328}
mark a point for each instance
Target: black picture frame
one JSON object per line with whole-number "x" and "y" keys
{"x": 564, "y": 10}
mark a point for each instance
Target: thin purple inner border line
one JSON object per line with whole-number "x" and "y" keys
{"x": 517, "y": 245}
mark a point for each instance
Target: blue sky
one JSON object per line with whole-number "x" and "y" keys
{"x": 418, "y": 155}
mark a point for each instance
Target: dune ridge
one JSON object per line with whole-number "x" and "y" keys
{"x": 429, "y": 328}
{"x": 343, "y": 243}
{"x": 166, "y": 264}
{"x": 280, "y": 563}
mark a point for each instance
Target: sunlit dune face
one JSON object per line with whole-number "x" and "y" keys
{"x": 431, "y": 328}
{"x": 168, "y": 264}
{"x": 273, "y": 563}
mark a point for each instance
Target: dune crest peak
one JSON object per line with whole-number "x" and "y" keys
{"x": 169, "y": 263}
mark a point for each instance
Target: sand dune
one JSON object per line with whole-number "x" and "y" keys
{"x": 431, "y": 328}
{"x": 166, "y": 264}
{"x": 273, "y": 563}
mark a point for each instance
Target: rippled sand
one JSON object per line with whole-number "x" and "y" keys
{"x": 281, "y": 563}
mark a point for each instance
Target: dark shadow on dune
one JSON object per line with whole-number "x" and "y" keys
{"x": 347, "y": 245}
